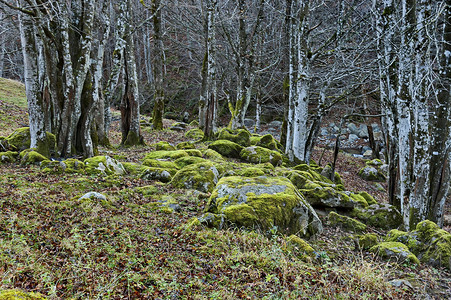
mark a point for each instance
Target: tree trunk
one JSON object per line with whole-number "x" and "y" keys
{"x": 158, "y": 109}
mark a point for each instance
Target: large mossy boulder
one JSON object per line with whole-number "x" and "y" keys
{"x": 201, "y": 176}
{"x": 162, "y": 154}
{"x": 30, "y": 156}
{"x": 428, "y": 242}
{"x": 384, "y": 216}
{"x": 240, "y": 136}
{"x": 226, "y": 148}
{"x": 258, "y": 155}
{"x": 20, "y": 140}
{"x": 320, "y": 195}
{"x": 188, "y": 160}
{"x": 195, "y": 134}
{"x": 15, "y": 294}
{"x": 345, "y": 222}
{"x": 395, "y": 250}
{"x": 265, "y": 141}
{"x": 160, "y": 163}
{"x": 373, "y": 171}
{"x": 164, "y": 146}
{"x": 8, "y": 157}
{"x": 103, "y": 165}
{"x": 212, "y": 155}
{"x": 160, "y": 174}
{"x": 262, "y": 203}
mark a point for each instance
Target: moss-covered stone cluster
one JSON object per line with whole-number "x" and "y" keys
{"x": 373, "y": 171}
{"x": 384, "y": 216}
{"x": 20, "y": 140}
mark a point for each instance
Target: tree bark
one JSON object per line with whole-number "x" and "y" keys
{"x": 158, "y": 109}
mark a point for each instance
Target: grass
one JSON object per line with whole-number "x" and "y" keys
{"x": 13, "y": 106}
{"x": 130, "y": 246}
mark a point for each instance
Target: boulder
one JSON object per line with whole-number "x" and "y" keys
{"x": 262, "y": 202}
{"x": 21, "y": 139}
{"x": 30, "y": 156}
{"x": 70, "y": 166}
{"x": 195, "y": 134}
{"x": 166, "y": 154}
{"x": 104, "y": 165}
{"x": 368, "y": 240}
{"x": 159, "y": 163}
{"x": 258, "y": 155}
{"x": 8, "y": 156}
{"x": 370, "y": 173}
{"x": 160, "y": 174}
{"x": 327, "y": 196}
{"x": 345, "y": 222}
{"x": 395, "y": 250}
{"x": 185, "y": 145}
{"x": 240, "y": 136}
{"x": 164, "y": 146}
{"x": 93, "y": 195}
{"x": 226, "y": 148}
{"x": 188, "y": 160}
{"x": 380, "y": 215}
{"x": 213, "y": 155}
{"x": 428, "y": 242}
{"x": 269, "y": 142}
{"x": 201, "y": 176}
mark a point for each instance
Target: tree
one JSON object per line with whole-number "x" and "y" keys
{"x": 158, "y": 109}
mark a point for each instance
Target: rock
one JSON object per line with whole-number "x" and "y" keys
{"x": 160, "y": 174}
{"x": 327, "y": 172}
{"x": 324, "y": 132}
{"x": 169, "y": 204}
{"x": 185, "y": 145}
{"x": 368, "y": 154}
{"x": 30, "y": 156}
{"x": 267, "y": 141}
{"x": 376, "y": 127}
{"x": 363, "y": 132}
{"x": 201, "y": 176}
{"x": 300, "y": 245}
{"x": 395, "y": 250}
{"x": 158, "y": 163}
{"x": 18, "y": 294}
{"x": 193, "y": 152}
{"x": 263, "y": 202}
{"x": 249, "y": 123}
{"x": 213, "y": 155}
{"x": 8, "y": 156}
{"x": 195, "y": 134}
{"x": 188, "y": 160}
{"x": 370, "y": 173}
{"x": 258, "y": 155}
{"x": 345, "y": 222}
{"x": 380, "y": 215}
{"x": 185, "y": 117}
{"x": 240, "y": 136}
{"x": 166, "y": 154}
{"x": 134, "y": 168}
{"x": 327, "y": 196}
{"x": 93, "y": 195}
{"x": 353, "y": 129}
{"x": 194, "y": 123}
{"x": 165, "y": 146}
{"x": 431, "y": 244}
{"x": 70, "y": 166}
{"x": 250, "y": 172}
{"x": 378, "y": 136}
{"x": 226, "y": 148}
{"x": 353, "y": 138}
{"x": 275, "y": 124}
{"x": 103, "y": 165}
{"x": 400, "y": 283}
{"x": 367, "y": 241}
{"x": 21, "y": 139}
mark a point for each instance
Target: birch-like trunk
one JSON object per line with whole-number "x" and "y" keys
{"x": 34, "y": 83}
{"x": 158, "y": 109}
{"x": 2, "y": 44}
{"x": 299, "y": 81}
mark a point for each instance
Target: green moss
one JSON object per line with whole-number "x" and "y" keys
{"x": 384, "y": 216}
{"x": 300, "y": 245}
{"x": 165, "y": 146}
{"x": 346, "y": 222}
{"x": 134, "y": 168}
{"x": 368, "y": 240}
{"x": 250, "y": 172}
{"x": 160, "y": 174}
{"x": 165, "y": 164}
{"x": 406, "y": 238}
{"x": 20, "y": 139}
{"x": 395, "y": 250}
{"x": 188, "y": 160}
{"x": 8, "y": 156}
{"x": 370, "y": 173}
{"x": 147, "y": 190}
{"x": 359, "y": 199}
{"x": 166, "y": 154}
{"x": 226, "y": 148}
{"x": 239, "y": 136}
{"x": 268, "y": 141}
{"x": 257, "y": 155}
{"x": 104, "y": 165}
{"x": 211, "y": 154}
{"x": 17, "y": 294}
{"x": 194, "y": 123}
{"x": 30, "y": 156}
{"x": 201, "y": 176}
{"x": 185, "y": 145}
{"x": 254, "y": 139}
{"x": 437, "y": 244}
{"x": 369, "y": 199}
{"x": 195, "y": 134}
{"x": 241, "y": 215}
{"x": 194, "y": 152}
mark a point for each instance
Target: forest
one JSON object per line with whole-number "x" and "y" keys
{"x": 205, "y": 149}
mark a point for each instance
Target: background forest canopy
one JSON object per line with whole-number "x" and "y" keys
{"x": 228, "y": 60}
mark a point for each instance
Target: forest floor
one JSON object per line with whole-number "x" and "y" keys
{"x": 128, "y": 247}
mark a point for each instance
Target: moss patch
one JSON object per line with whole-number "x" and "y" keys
{"x": 165, "y": 164}
{"x": 166, "y": 154}
{"x": 395, "y": 250}
{"x": 17, "y": 294}
{"x": 8, "y": 156}
{"x": 164, "y": 146}
{"x": 258, "y": 155}
{"x": 226, "y": 148}
{"x": 195, "y": 134}
{"x": 201, "y": 176}
{"x": 30, "y": 156}
{"x": 346, "y": 222}
{"x": 239, "y": 136}
{"x": 384, "y": 216}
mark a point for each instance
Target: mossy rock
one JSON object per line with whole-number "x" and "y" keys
{"x": 201, "y": 176}
{"x": 185, "y": 145}
{"x": 262, "y": 203}
{"x": 241, "y": 137}
{"x": 134, "y": 168}
{"x": 369, "y": 199}
{"x": 226, "y": 148}
{"x": 148, "y": 190}
{"x": 8, "y": 156}
{"x": 164, "y": 146}
{"x": 315, "y": 172}
{"x": 326, "y": 172}
{"x": 193, "y": 152}
{"x": 370, "y": 173}
{"x": 160, "y": 174}
{"x": 384, "y": 216}
{"x": 359, "y": 199}
{"x": 375, "y": 163}
{"x": 18, "y": 294}
{"x": 250, "y": 172}
{"x": 436, "y": 244}
{"x": 269, "y": 142}
{"x": 212, "y": 220}
{"x": 168, "y": 204}
{"x": 30, "y": 156}
{"x": 407, "y": 238}
{"x": 368, "y": 240}
{"x": 188, "y": 160}
{"x": 70, "y": 166}
{"x": 213, "y": 155}
{"x": 103, "y": 165}
{"x": 395, "y": 250}
{"x": 194, "y": 123}
{"x": 300, "y": 245}
{"x": 345, "y": 222}
{"x": 326, "y": 196}
{"x": 299, "y": 178}
{"x": 195, "y": 134}
{"x": 166, "y": 154}
{"x": 258, "y": 155}
{"x": 20, "y": 140}
{"x": 165, "y": 164}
